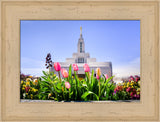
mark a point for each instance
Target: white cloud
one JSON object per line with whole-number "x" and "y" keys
{"x": 33, "y": 71}
{"x": 132, "y": 68}
{"x": 32, "y": 66}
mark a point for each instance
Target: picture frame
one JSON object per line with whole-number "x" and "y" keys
{"x": 12, "y": 11}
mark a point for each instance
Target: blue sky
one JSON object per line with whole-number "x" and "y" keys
{"x": 115, "y": 41}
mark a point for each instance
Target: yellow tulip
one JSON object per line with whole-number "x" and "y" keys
{"x": 98, "y": 71}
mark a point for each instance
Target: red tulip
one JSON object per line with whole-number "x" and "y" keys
{"x": 64, "y": 73}
{"x": 86, "y": 68}
{"x": 134, "y": 91}
{"x": 131, "y": 94}
{"x": 131, "y": 78}
{"x": 137, "y": 79}
{"x": 27, "y": 89}
{"x": 128, "y": 89}
{"x": 75, "y": 67}
{"x": 57, "y": 66}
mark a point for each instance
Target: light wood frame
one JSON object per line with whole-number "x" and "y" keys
{"x": 13, "y": 11}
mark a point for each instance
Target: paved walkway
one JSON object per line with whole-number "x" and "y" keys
{"x": 23, "y": 101}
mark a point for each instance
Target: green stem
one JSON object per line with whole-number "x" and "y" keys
{"x": 59, "y": 76}
{"x": 63, "y": 92}
{"x": 75, "y": 76}
{"x": 77, "y": 73}
{"x": 49, "y": 70}
{"x": 99, "y": 88}
{"x": 69, "y": 95}
{"x": 89, "y": 76}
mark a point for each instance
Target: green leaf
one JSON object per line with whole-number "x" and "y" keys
{"x": 44, "y": 73}
{"x": 88, "y": 93}
{"x": 70, "y": 71}
{"x": 52, "y": 98}
{"x": 44, "y": 78}
{"x": 59, "y": 86}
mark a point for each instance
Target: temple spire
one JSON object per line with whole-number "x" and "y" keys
{"x": 81, "y": 30}
{"x": 81, "y": 43}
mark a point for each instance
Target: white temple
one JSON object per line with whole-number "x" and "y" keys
{"x": 80, "y": 58}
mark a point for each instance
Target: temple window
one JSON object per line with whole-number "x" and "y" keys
{"x": 80, "y": 60}
{"x": 80, "y": 47}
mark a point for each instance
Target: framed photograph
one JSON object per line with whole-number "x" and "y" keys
{"x": 79, "y": 60}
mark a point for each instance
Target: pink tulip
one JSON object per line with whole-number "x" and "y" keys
{"x": 75, "y": 67}
{"x": 57, "y": 66}
{"x": 67, "y": 85}
{"x": 106, "y": 76}
{"x": 97, "y": 76}
{"x": 64, "y": 73}
{"x": 86, "y": 68}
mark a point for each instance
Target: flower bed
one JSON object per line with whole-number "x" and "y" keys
{"x": 71, "y": 88}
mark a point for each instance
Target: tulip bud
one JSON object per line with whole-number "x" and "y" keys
{"x": 75, "y": 67}
{"x": 64, "y": 73}
{"x": 57, "y": 66}
{"x": 98, "y": 71}
{"x": 86, "y": 68}
{"x": 67, "y": 85}
{"x": 97, "y": 76}
{"x": 106, "y": 76}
